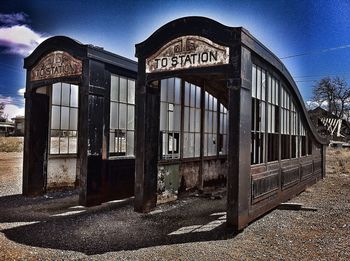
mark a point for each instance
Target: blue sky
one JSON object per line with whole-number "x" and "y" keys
{"x": 286, "y": 27}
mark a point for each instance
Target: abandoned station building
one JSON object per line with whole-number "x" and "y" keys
{"x": 205, "y": 104}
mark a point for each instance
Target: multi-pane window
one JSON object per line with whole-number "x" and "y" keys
{"x": 294, "y": 121}
{"x": 170, "y": 117}
{"x": 258, "y": 115}
{"x": 122, "y": 114}
{"x": 302, "y": 139}
{"x": 223, "y": 140}
{"x": 211, "y": 123}
{"x": 64, "y": 118}
{"x": 192, "y": 121}
{"x": 273, "y": 118}
{"x": 285, "y": 124}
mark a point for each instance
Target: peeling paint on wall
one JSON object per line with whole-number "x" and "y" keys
{"x": 61, "y": 173}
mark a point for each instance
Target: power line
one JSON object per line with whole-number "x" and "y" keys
{"x": 318, "y": 51}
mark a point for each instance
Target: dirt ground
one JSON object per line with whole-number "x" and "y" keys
{"x": 53, "y": 227}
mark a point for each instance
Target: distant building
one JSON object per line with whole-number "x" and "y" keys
{"x": 18, "y": 126}
{"x": 331, "y": 126}
{"x": 6, "y": 128}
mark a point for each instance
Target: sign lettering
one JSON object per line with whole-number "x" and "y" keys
{"x": 54, "y": 65}
{"x": 187, "y": 52}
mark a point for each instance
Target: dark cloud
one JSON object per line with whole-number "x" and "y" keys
{"x": 13, "y": 19}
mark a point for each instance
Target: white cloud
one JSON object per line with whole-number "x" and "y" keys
{"x": 12, "y": 111}
{"x": 20, "y": 39}
{"x": 21, "y": 91}
{"x": 13, "y": 19}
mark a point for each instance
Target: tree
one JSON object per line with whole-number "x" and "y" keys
{"x": 332, "y": 94}
{"x": 2, "y": 115}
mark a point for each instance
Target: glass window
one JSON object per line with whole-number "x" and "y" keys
{"x": 258, "y": 113}
{"x": 122, "y": 115}
{"x": 64, "y": 118}
{"x": 170, "y": 117}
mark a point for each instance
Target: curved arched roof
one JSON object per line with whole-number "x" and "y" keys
{"x": 228, "y": 36}
{"x": 78, "y": 50}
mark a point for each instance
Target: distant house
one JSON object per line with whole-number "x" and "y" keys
{"x": 18, "y": 126}
{"x": 6, "y": 128}
{"x": 329, "y": 125}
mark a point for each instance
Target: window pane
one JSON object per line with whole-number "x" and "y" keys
{"x": 177, "y": 117}
{"x": 193, "y": 95}
{"x": 131, "y": 91}
{"x": 197, "y": 145}
{"x": 254, "y": 81}
{"x": 114, "y": 115}
{"x": 111, "y": 142}
{"x": 198, "y": 120}
{"x": 186, "y": 119}
{"x": 63, "y": 143}
{"x": 122, "y": 116}
{"x": 187, "y": 94}
{"x": 163, "y": 90}
{"x": 130, "y": 143}
{"x": 198, "y": 97}
{"x": 192, "y": 119}
{"x": 131, "y": 117}
{"x": 171, "y": 118}
{"x": 74, "y": 92}
{"x": 206, "y": 97}
{"x": 55, "y": 117}
{"x": 122, "y": 89}
{"x": 258, "y": 81}
{"x": 163, "y": 116}
{"x": 114, "y": 87}
{"x": 215, "y": 122}
{"x": 65, "y": 94}
{"x": 177, "y": 90}
{"x": 73, "y": 141}
{"x": 64, "y": 118}
{"x": 73, "y": 119}
{"x": 56, "y": 93}
{"x": 263, "y": 85}
{"x": 54, "y": 144}
{"x": 171, "y": 90}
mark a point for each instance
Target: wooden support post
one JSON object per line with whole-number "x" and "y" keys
{"x": 147, "y": 136}
{"x": 238, "y": 178}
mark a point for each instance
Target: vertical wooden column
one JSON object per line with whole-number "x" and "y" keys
{"x": 147, "y": 137}
{"x": 238, "y": 178}
{"x": 91, "y": 132}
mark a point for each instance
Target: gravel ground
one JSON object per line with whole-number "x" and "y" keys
{"x": 55, "y": 228}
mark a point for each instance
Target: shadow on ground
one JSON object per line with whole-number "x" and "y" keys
{"x": 59, "y": 223}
